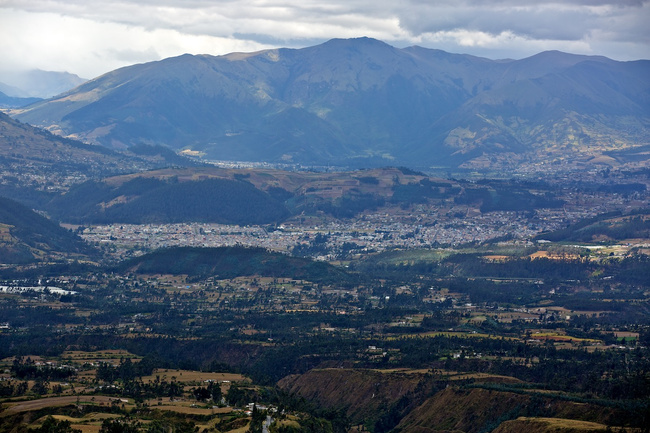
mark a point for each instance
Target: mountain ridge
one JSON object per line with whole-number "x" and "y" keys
{"x": 36, "y": 165}
{"x": 356, "y": 101}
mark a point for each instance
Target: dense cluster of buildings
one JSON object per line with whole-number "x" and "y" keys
{"x": 369, "y": 232}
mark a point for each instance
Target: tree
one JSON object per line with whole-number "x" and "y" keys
{"x": 257, "y": 420}
{"x": 106, "y": 373}
{"x": 201, "y": 394}
{"x": 51, "y": 425}
{"x": 170, "y": 426}
{"x": 212, "y": 391}
{"x": 215, "y": 391}
{"x": 122, "y": 425}
{"x": 41, "y": 387}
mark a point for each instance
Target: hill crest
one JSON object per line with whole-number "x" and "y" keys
{"x": 27, "y": 237}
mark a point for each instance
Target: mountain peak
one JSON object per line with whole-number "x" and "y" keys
{"x": 356, "y": 43}
{"x": 560, "y": 57}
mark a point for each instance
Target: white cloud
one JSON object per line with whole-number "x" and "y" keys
{"x": 89, "y": 37}
{"x": 90, "y": 48}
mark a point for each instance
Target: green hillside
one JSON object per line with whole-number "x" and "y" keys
{"x": 607, "y": 227}
{"x": 36, "y": 165}
{"x": 232, "y": 262}
{"x": 26, "y": 236}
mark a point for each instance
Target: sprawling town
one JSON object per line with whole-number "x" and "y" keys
{"x": 423, "y": 226}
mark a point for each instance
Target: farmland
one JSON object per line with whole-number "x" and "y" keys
{"x": 386, "y": 321}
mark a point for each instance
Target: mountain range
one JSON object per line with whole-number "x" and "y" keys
{"x": 362, "y": 102}
{"x": 36, "y": 83}
{"x": 7, "y": 101}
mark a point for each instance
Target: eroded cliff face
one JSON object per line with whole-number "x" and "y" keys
{"x": 417, "y": 402}
{"x": 552, "y": 425}
{"x": 473, "y": 410}
{"x": 363, "y": 394}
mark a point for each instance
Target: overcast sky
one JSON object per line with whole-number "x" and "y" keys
{"x": 91, "y": 37}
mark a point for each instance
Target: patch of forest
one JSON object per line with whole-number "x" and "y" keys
{"x": 232, "y": 262}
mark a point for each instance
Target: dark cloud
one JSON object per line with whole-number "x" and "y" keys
{"x": 561, "y": 21}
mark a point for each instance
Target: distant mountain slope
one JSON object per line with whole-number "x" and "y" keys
{"x": 35, "y": 162}
{"x": 25, "y": 145}
{"x": 235, "y": 196}
{"x": 36, "y": 83}
{"x": 264, "y": 196}
{"x": 26, "y": 236}
{"x": 360, "y": 102}
{"x": 606, "y": 227}
{"x": 148, "y": 200}
{"x": 15, "y": 102}
{"x": 586, "y": 109}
